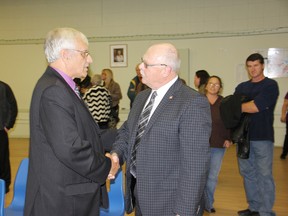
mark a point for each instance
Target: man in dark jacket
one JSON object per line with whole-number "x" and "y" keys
{"x": 67, "y": 164}
{"x": 8, "y": 113}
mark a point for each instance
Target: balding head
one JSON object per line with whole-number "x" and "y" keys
{"x": 165, "y": 53}
{"x": 160, "y": 65}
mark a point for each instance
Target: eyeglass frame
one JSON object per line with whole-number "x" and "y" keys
{"x": 214, "y": 85}
{"x": 83, "y": 53}
{"x": 152, "y": 65}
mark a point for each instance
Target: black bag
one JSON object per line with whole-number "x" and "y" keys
{"x": 240, "y": 136}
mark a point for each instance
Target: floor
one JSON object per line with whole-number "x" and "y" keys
{"x": 229, "y": 195}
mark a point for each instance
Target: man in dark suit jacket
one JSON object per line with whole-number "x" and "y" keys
{"x": 67, "y": 164}
{"x": 8, "y": 114}
{"x": 173, "y": 154}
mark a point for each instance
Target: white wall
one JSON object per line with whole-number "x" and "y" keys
{"x": 216, "y": 37}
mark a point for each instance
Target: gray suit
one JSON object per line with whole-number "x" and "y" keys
{"x": 67, "y": 167}
{"x": 172, "y": 158}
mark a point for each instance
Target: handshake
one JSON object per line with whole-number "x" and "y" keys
{"x": 115, "y": 165}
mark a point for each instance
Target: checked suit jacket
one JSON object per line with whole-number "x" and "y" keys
{"x": 67, "y": 165}
{"x": 173, "y": 155}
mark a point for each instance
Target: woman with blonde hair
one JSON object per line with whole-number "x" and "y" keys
{"x": 115, "y": 92}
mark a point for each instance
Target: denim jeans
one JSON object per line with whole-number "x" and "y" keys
{"x": 216, "y": 155}
{"x": 258, "y": 179}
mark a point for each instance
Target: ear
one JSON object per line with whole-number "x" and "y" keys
{"x": 167, "y": 71}
{"x": 65, "y": 55}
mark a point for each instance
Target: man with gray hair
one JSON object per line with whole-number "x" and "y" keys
{"x": 165, "y": 141}
{"x": 67, "y": 164}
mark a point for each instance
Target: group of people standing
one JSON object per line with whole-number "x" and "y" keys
{"x": 261, "y": 95}
{"x": 172, "y": 165}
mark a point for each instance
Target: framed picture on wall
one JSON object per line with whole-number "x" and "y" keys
{"x": 118, "y": 55}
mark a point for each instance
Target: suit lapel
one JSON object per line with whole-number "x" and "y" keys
{"x": 138, "y": 107}
{"x": 78, "y": 100}
{"x": 168, "y": 98}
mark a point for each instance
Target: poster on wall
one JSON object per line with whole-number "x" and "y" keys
{"x": 276, "y": 62}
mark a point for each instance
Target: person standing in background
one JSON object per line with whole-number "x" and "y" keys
{"x": 200, "y": 79}
{"x": 165, "y": 141}
{"x": 135, "y": 86}
{"x": 115, "y": 92}
{"x": 67, "y": 163}
{"x": 257, "y": 169}
{"x": 8, "y": 114}
{"x": 98, "y": 100}
{"x": 220, "y": 139}
{"x": 284, "y": 119}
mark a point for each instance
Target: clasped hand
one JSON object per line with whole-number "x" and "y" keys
{"x": 114, "y": 165}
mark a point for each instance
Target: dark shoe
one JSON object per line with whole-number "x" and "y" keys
{"x": 211, "y": 210}
{"x": 283, "y": 156}
{"x": 247, "y": 212}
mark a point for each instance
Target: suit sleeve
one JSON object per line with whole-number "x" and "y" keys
{"x": 62, "y": 129}
{"x": 12, "y": 108}
{"x": 120, "y": 147}
{"x": 195, "y": 130}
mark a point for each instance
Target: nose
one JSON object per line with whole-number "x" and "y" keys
{"x": 141, "y": 66}
{"x": 89, "y": 59}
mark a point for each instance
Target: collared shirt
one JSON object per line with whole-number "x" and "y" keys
{"x": 160, "y": 94}
{"x": 67, "y": 78}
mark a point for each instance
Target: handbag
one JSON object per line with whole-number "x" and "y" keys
{"x": 240, "y": 136}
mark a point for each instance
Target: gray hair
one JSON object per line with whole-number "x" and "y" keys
{"x": 59, "y": 39}
{"x": 96, "y": 79}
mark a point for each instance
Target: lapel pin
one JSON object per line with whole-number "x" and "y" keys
{"x": 171, "y": 97}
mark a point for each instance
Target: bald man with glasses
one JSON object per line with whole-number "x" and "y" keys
{"x": 165, "y": 141}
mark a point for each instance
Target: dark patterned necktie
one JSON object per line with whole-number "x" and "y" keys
{"x": 143, "y": 121}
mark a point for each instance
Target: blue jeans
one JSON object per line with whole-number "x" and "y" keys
{"x": 216, "y": 155}
{"x": 258, "y": 179}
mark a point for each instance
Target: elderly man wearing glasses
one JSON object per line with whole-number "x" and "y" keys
{"x": 165, "y": 141}
{"x": 67, "y": 163}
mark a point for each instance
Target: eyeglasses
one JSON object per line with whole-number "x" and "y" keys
{"x": 214, "y": 84}
{"x": 84, "y": 53}
{"x": 152, "y": 65}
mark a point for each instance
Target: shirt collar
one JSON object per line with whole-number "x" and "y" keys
{"x": 67, "y": 78}
{"x": 163, "y": 90}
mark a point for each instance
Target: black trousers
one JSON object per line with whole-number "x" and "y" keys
{"x": 5, "y": 170}
{"x": 135, "y": 197}
{"x": 285, "y": 145}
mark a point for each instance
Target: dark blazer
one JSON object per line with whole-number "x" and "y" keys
{"x": 67, "y": 165}
{"x": 8, "y": 106}
{"x": 172, "y": 158}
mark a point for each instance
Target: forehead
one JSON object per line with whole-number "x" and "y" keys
{"x": 256, "y": 62}
{"x": 214, "y": 80}
{"x": 80, "y": 44}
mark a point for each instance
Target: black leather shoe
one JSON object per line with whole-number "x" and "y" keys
{"x": 247, "y": 212}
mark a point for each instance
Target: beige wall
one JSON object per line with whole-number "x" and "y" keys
{"x": 216, "y": 37}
